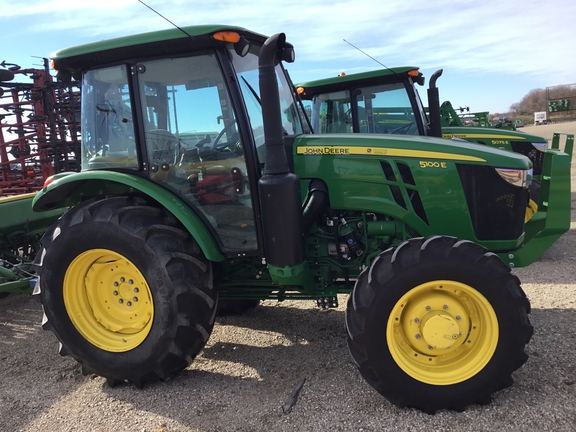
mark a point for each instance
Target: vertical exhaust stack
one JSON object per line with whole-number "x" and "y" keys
{"x": 434, "y": 105}
{"x": 280, "y": 199}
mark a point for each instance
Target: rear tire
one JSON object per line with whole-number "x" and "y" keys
{"x": 125, "y": 290}
{"x": 438, "y": 323}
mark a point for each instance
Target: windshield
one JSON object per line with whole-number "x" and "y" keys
{"x": 420, "y": 105}
{"x": 384, "y": 108}
{"x": 247, "y": 73}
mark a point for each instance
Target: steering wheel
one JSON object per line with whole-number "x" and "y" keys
{"x": 348, "y": 115}
{"x": 221, "y": 134}
{"x": 402, "y": 129}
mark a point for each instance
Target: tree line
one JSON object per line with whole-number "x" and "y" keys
{"x": 537, "y": 100}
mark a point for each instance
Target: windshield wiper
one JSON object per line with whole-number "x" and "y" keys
{"x": 252, "y": 90}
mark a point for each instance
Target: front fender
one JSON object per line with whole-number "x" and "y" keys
{"x": 68, "y": 189}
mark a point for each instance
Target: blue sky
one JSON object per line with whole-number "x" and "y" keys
{"x": 492, "y": 52}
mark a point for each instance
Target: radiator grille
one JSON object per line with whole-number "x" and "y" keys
{"x": 496, "y": 207}
{"x": 528, "y": 150}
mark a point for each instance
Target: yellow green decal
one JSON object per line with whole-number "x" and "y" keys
{"x": 472, "y": 136}
{"x": 7, "y": 199}
{"x": 379, "y": 151}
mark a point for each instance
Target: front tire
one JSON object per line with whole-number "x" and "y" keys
{"x": 125, "y": 290}
{"x": 438, "y": 323}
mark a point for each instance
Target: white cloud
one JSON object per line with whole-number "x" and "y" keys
{"x": 531, "y": 37}
{"x": 54, "y": 7}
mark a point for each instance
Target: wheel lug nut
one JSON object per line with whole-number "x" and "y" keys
{"x": 128, "y": 303}
{"x": 122, "y": 279}
{"x": 120, "y": 301}
{"x": 458, "y": 318}
{"x": 428, "y": 308}
{"x": 135, "y": 299}
{"x": 136, "y": 290}
{"x": 417, "y": 336}
{"x": 130, "y": 281}
{"x": 116, "y": 284}
{"x": 430, "y": 347}
{"x": 115, "y": 293}
{"x": 416, "y": 320}
{"x": 445, "y": 307}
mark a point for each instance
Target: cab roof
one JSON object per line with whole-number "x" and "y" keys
{"x": 342, "y": 81}
{"x": 183, "y": 39}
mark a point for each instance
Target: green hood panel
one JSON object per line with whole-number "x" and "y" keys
{"x": 415, "y": 180}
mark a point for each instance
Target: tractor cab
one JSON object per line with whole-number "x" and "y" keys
{"x": 384, "y": 101}
{"x": 191, "y": 123}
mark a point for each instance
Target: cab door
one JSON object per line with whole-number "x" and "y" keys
{"x": 194, "y": 146}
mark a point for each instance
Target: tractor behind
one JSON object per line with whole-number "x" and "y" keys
{"x": 39, "y": 136}
{"x": 387, "y": 101}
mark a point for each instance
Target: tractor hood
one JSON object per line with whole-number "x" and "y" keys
{"x": 471, "y": 132}
{"x": 410, "y": 147}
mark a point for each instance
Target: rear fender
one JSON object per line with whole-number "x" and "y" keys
{"x": 68, "y": 189}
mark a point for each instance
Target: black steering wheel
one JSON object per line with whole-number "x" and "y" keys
{"x": 403, "y": 129}
{"x": 215, "y": 145}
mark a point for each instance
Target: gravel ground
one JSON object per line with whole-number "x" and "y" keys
{"x": 252, "y": 363}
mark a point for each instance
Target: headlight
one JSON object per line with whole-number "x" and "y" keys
{"x": 540, "y": 146}
{"x": 516, "y": 177}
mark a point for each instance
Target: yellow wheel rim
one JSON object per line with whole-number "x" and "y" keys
{"x": 442, "y": 332}
{"x": 108, "y": 300}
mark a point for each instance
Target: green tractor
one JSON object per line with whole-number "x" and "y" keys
{"x": 387, "y": 101}
{"x": 449, "y": 117}
{"x": 201, "y": 186}
{"x": 20, "y": 233}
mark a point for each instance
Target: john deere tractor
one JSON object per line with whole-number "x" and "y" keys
{"x": 201, "y": 185}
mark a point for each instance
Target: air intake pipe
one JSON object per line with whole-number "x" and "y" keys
{"x": 279, "y": 189}
{"x": 434, "y": 105}
{"x": 317, "y": 198}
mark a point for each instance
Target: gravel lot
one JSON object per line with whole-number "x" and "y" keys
{"x": 252, "y": 363}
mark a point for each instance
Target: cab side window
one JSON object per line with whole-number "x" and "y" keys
{"x": 108, "y": 139}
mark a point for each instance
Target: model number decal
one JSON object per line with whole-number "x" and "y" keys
{"x": 500, "y": 142}
{"x": 424, "y": 164}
